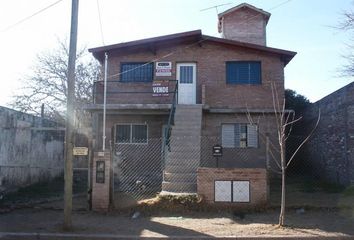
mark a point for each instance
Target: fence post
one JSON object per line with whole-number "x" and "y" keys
{"x": 268, "y": 166}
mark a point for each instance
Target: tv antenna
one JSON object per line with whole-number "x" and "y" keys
{"x": 216, "y": 7}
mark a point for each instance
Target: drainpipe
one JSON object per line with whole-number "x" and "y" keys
{"x": 104, "y": 103}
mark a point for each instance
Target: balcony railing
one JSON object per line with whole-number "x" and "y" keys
{"x": 157, "y": 92}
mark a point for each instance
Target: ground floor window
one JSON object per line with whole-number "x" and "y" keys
{"x": 239, "y": 135}
{"x": 131, "y": 133}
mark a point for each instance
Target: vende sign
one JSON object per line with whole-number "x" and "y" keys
{"x": 163, "y": 69}
{"x": 160, "y": 89}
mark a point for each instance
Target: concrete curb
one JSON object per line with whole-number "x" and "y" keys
{"x": 58, "y": 236}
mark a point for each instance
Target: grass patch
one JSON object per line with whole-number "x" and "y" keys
{"x": 349, "y": 191}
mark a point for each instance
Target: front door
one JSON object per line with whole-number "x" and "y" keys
{"x": 186, "y": 77}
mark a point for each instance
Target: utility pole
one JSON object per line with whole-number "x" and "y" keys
{"x": 70, "y": 118}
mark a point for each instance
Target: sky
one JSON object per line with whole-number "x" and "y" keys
{"x": 303, "y": 26}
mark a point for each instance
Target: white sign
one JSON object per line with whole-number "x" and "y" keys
{"x": 80, "y": 151}
{"x": 163, "y": 69}
{"x": 160, "y": 89}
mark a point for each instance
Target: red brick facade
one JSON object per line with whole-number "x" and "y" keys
{"x": 257, "y": 181}
{"x": 210, "y": 59}
{"x": 101, "y": 190}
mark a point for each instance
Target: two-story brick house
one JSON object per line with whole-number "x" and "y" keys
{"x": 170, "y": 99}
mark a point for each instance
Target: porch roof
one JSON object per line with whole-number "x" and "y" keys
{"x": 185, "y": 37}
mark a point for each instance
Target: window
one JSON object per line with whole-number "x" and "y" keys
{"x": 131, "y": 133}
{"x": 241, "y": 72}
{"x": 239, "y": 135}
{"x": 137, "y": 72}
{"x": 186, "y": 73}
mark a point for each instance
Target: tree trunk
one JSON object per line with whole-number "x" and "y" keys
{"x": 283, "y": 192}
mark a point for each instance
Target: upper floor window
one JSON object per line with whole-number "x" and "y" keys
{"x": 136, "y": 72}
{"x": 239, "y": 135}
{"x": 243, "y": 72}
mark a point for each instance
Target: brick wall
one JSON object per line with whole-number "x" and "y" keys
{"x": 210, "y": 59}
{"x": 245, "y": 25}
{"x": 101, "y": 191}
{"x": 238, "y": 157}
{"x": 258, "y": 182}
{"x": 331, "y": 148}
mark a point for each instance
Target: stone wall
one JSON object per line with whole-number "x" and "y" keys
{"x": 31, "y": 148}
{"x": 331, "y": 148}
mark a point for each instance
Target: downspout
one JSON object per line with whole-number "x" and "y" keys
{"x": 104, "y": 103}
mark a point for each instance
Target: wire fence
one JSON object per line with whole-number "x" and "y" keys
{"x": 241, "y": 175}
{"x": 32, "y": 185}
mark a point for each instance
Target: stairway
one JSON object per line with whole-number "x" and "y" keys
{"x": 183, "y": 156}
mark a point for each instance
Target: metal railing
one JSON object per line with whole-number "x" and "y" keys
{"x": 171, "y": 118}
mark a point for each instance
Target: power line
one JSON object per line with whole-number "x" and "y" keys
{"x": 30, "y": 16}
{"x": 100, "y": 21}
{"x": 190, "y": 45}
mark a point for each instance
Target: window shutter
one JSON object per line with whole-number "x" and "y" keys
{"x": 237, "y": 137}
{"x": 252, "y": 136}
{"x": 243, "y": 72}
{"x": 255, "y": 73}
{"x": 231, "y": 72}
{"x": 228, "y": 135}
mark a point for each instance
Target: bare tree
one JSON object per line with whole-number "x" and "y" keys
{"x": 284, "y": 123}
{"x": 47, "y": 84}
{"x": 285, "y": 119}
{"x": 347, "y": 24}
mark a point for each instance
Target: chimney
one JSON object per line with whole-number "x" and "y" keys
{"x": 244, "y": 23}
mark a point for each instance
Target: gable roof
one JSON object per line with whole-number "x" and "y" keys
{"x": 187, "y": 37}
{"x": 245, "y": 5}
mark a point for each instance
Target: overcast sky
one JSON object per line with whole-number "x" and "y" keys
{"x": 298, "y": 25}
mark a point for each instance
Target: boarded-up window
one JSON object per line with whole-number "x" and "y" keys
{"x": 239, "y": 135}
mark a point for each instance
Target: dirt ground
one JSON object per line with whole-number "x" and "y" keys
{"x": 310, "y": 223}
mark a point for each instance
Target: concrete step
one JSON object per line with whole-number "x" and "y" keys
{"x": 180, "y": 177}
{"x": 189, "y": 106}
{"x": 181, "y": 187}
{"x": 185, "y": 151}
{"x": 186, "y": 121}
{"x": 188, "y": 132}
{"x": 186, "y": 135}
{"x": 187, "y": 155}
{"x": 193, "y": 163}
{"x": 180, "y": 169}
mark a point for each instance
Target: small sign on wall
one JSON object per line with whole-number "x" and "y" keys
{"x": 160, "y": 88}
{"x": 80, "y": 151}
{"x": 163, "y": 69}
